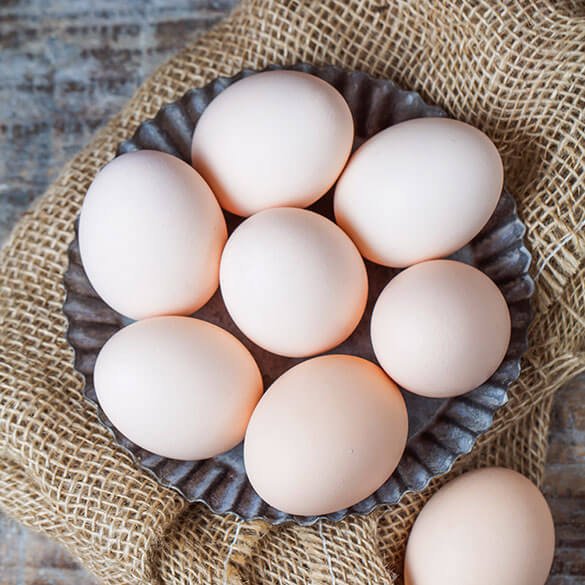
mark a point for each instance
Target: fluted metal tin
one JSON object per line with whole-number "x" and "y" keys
{"x": 440, "y": 430}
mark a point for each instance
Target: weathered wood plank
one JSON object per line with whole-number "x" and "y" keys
{"x": 66, "y": 66}
{"x": 565, "y": 482}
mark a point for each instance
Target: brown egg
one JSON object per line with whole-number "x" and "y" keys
{"x": 440, "y": 328}
{"x": 273, "y": 139}
{"x": 150, "y": 236}
{"x": 325, "y": 435}
{"x": 490, "y": 526}
{"x": 179, "y": 387}
{"x": 419, "y": 190}
{"x": 293, "y": 282}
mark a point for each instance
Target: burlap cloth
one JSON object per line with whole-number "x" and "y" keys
{"x": 518, "y": 73}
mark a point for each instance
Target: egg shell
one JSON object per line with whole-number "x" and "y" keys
{"x": 178, "y": 387}
{"x": 419, "y": 190}
{"x": 274, "y": 139}
{"x": 150, "y": 235}
{"x": 293, "y": 282}
{"x": 325, "y": 435}
{"x": 488, "y": 526}
{"x": 440, "y": 328}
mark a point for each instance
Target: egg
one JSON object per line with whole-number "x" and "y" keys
{"x": 273, "y": 139}
{"x": 150, "y": 236}
{"x": 326, "y": 434}
{"x": 419, "y": 190}
{"x": 178, "y": 387}
{"x": 293, "y": 282}
{"x": 487, "y": 526}
{"x": 440, "y": 328}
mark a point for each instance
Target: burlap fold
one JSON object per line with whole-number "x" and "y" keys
{"x": 516, "y": 70}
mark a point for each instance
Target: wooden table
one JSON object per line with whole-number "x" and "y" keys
{"x": 65, "y": 67}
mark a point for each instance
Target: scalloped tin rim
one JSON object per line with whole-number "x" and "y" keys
{"x": 457, "y": 423}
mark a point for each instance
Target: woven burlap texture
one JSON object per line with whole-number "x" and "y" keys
{"x": 516, "y": 70}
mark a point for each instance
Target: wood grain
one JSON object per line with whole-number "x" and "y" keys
{"x": 65, "y": 67}
{"x": 564, "y": 484}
